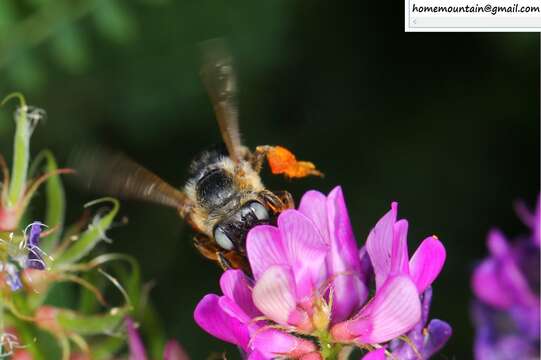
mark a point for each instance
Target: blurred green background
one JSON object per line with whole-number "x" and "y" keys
{"x": 446, "y": 124}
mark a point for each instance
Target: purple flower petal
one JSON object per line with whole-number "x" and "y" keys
{"x": 487, "y": 286}
{"x": 516, "y": 283}
{"x": 34, "y": 259}
{"x": 173, "y": 351}
{"x": 264, "y": 248}
{"x": 213, "y": 319}
{"x": 378, "y": 354}
{"x": 380, "y": 243}
{"x": 392, "y": 312}
{"x": 10, "y": 276}
{"x": 425, "y": 305}
{"x": 306, "y": 251}
{"x": 272, "y": 343}
{"x": 426, "y": 263}
{"x": 343, "y": 262}
{"x": 236, "y": 286}
{"x": 532, "y": 220}
{"x": 438, "y": 332}
{"x": 314, "y": 206}
{"x": 137, "y": 349}
{"x": 274, "y": 294}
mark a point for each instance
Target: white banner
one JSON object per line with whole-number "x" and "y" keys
{"x": 473, "y": 15}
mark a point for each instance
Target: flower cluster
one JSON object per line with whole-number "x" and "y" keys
{"x": 19, "y": 253}
{"x": 507, "y": 309}
{"x": 308, "y": 296}
{"x": 25, "y": 286}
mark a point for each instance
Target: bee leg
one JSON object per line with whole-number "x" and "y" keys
{"x": 206, "y": 247}
{"x": 233, "y": 260}
{"x": 277, "y": 201}
{"x": 223, "y": 261}
{"x": 286, "y": 198}
{"x": 259, "y": 156}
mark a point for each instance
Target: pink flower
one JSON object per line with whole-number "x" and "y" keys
{"x": 309, "y": 282}
{"x": 395, "y": 308}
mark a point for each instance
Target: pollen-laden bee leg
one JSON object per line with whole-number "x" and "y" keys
{"x": 206, "y": 247}
{"x": 282, "y": 161}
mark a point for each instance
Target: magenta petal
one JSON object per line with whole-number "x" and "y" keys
{"x": 343, "y": 261}
{"x": 349, "y": 293}
{"x": 314, "y": 206}
{"x": 380, "y": 244}
{"x": 399, "y": 254}
{"x": 488, "y": 287}
{"x": 231, "y": 308}
{"x": 378, "y": 354}
{"x": 264, "y": 248}
{"x": 173, "y": 351}
{"x": 210, "y": 316}
{"x": 274, "y": 294}
{"x": 427, "y": 262}
{"x": 272, "y": 343}
{"x": 392, "y": 312}
{"x": 306, "y": 251}
{"x": 236, "y": 286}
{"x": 497, "y": 243}
{"x": 137, "y": 349}
{"x": 256, "y": 355}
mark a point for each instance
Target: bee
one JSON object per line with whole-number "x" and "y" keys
{"x": 224, "y": 196}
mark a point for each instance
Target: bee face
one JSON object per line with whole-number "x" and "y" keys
{"x": 230, "y": 234}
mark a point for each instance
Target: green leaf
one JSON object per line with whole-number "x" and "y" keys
{"x": 69, "y": 49}
{"x": 91, "y": 237}
{"x": 108, "y": 323}
{"x": 114, "y": 21}
{"x": 104, "y": 349}
{"x": 55, "y": 200}
{"x": 24, "y": 70}
{"x": 88, "y": 302}
{"x": 27, "y": 339}
{"x": 21, "y": 152}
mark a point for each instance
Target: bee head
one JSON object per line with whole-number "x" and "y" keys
{"x": 231, "y": 233}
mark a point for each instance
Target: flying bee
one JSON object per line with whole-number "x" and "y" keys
{"x": 224, "y": 196}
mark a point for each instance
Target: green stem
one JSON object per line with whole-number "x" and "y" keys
{"x": 21, "y": 152}
{"x": 329, "y": 349}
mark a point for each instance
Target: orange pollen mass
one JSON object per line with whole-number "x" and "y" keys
{"x": 282, "y": 161}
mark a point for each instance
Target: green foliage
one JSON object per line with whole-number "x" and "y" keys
{"x": 56, "y": 25}
{"x": 70, "y": 300}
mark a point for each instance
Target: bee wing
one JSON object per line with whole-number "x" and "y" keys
{"x": 117, "y": 175}
{"x": 219, "y": 79}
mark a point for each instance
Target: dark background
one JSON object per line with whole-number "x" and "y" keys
{"x": 446, "y": 124}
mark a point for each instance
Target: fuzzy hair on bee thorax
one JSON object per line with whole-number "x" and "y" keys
{"x": 219, "y": 187}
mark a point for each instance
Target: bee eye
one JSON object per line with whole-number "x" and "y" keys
{"x": 260, "y": 212}
{"x": 222, "y": 239}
